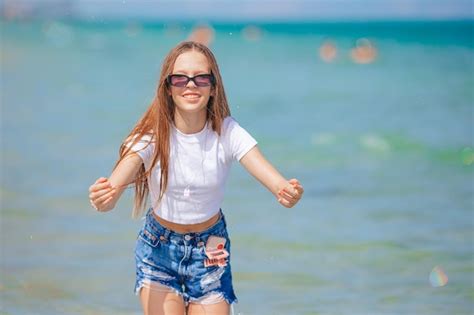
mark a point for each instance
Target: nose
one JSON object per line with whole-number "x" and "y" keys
{"x": 194, "y": 84}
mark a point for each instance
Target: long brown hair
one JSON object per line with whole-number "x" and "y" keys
{"x": 156, "y": 121}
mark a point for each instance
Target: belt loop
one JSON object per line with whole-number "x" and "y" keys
{"x": 199, "y": 240}
{"x": 149, "y": 214}
{"x": 167, "y": 233}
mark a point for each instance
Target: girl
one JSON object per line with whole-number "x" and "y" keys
{"x": 180, "y": 152}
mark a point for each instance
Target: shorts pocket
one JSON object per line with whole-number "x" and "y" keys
{"x": 149, "y": 237}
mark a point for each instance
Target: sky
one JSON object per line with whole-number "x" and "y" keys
{"x": 227, "y": 10}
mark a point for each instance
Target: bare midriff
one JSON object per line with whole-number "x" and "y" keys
{"x": 187, "y": 228}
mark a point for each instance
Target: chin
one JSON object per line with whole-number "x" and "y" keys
{"x": 191, "y": 108}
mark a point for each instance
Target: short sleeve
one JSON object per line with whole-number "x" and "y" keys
{"x": 144, "y": 148}
{"x": 239, "y": 140}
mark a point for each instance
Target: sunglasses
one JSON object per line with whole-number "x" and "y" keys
{"x": 181, "y": 80}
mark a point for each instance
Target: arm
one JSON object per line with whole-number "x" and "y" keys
{"x": 105, "y": 193}
{"x": 288, "y": 192}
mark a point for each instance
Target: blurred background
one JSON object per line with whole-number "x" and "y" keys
{"x": 368, "y": 103}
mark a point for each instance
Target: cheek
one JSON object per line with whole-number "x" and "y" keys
{"x": 174, "y": 98}
{"x": 208, "y": 95}
{"x": 206, "y": 98}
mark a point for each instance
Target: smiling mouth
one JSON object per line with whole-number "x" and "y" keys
{"x": 191, "y": 96}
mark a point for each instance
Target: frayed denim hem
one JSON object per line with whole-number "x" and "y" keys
{"x": 140, "y": 284}
{"x": 229, "y": 299}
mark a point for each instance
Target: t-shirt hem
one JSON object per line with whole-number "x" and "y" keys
{"x": 184, "y": 221}
{"x": 247, "y": 149}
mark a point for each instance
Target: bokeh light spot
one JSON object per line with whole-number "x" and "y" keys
{"x": 438, "y": 277}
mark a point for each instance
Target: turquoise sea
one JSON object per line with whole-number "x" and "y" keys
{"x": 385, "y": 152}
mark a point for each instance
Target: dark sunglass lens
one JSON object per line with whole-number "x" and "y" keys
{"x": 178, "y": 80}
{"x": 203, "y": 80}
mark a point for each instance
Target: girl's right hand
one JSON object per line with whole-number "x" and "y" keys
{"x": 100, "y": 193}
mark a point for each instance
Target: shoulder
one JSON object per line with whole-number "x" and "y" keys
{"x": 228, "y": 120}
{"x": 228, "y": 124}
{"x": 232, "y": 129}
{"x": 146, "y": 137}
{"x": 140, "y": 142}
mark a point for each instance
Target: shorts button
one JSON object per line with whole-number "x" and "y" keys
{"x": 187, "y": 237}
{"x": 162, "y": 238}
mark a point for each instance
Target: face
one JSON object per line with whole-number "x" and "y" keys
{"x": 191, "y": 98}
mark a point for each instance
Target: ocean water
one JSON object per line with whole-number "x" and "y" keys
{"x": 384, "y": 150}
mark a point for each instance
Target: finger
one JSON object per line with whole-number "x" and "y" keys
{"x": 97, "y": 187}
{"x": 294, "y": 181}
{"x": 93, "y": 204}
{"x": 95, "y": 195}
{"x": 103, "y": 198}
{"x": 299, "y": 189}
{"x": 287, "y": 198}
{"x": 285, "y": 203}
{"x": 287, "y": 195}
{"x": 105, "y": 202}
{"x": 110, "y": 198}
{"x": 100, "y": 180}
{"x": 291, "y": 191}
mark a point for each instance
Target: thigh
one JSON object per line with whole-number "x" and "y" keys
{"x": 157, "y": 299}
{"x": 221, "y": 308}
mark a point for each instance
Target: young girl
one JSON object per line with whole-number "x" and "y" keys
{"x": 180, "y": 152}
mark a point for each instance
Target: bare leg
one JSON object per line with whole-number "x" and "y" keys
{"x": 221, "y": 308}
{"x": 157, "y": 299}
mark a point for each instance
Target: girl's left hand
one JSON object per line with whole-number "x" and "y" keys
{"x": 290, "y": 195}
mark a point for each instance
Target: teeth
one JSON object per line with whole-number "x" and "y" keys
{"x": 191, "y": 96}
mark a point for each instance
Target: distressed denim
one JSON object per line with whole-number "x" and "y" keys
{"x": 177, "y": 261}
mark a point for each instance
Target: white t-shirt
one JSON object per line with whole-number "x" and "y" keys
{"x": 198, "y": 169}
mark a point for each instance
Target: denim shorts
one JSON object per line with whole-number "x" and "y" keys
{"x": 177, "y": 261}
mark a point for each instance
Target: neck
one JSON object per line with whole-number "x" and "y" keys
{"x": 189, "y": 123}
